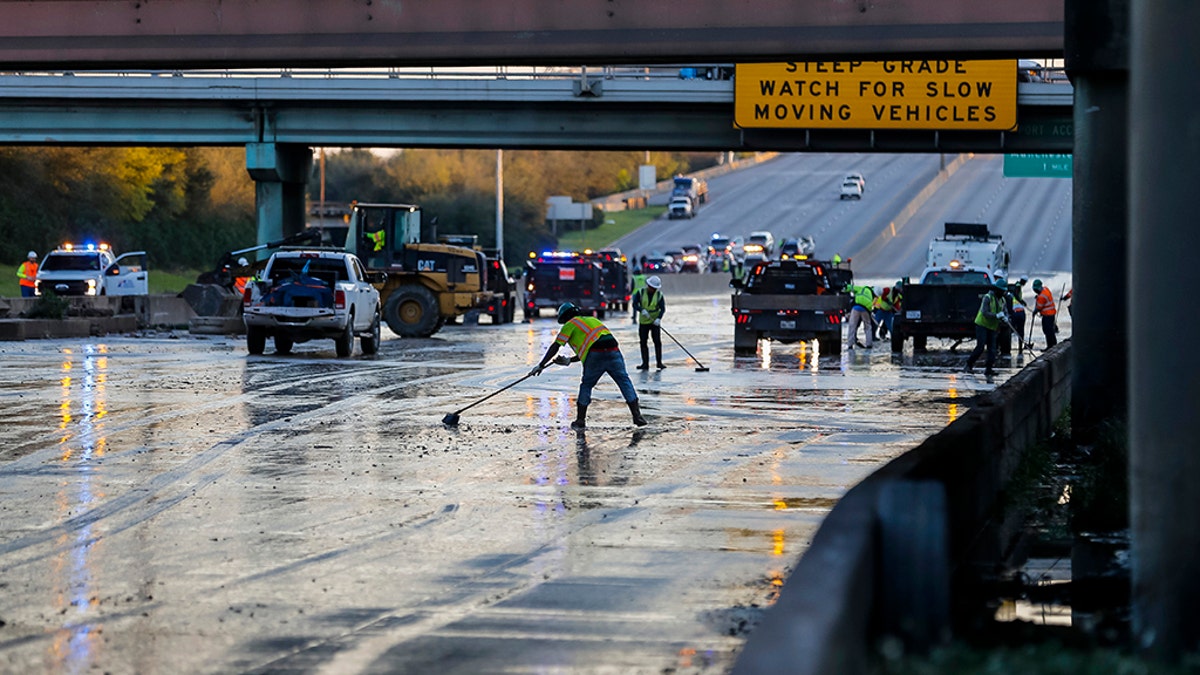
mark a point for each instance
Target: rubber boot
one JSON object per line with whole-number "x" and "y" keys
{"x": 636, "y": 409}
{"x": 580, "y": 417}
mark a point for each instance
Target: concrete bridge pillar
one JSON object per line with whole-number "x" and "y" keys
{"x": 1164, "y": 364}
{"x": 280, "y": 172}
{"x": 1098, "y": 63}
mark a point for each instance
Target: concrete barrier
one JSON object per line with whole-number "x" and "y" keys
{"x": 881, "y": 562}
{"x": 73, "y": 327}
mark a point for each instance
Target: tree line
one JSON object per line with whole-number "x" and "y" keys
{"x": 187, "y": 206}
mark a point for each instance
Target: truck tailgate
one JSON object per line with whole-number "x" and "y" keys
{"x": 956, "y": 303}
{"x": 766, "y": 302}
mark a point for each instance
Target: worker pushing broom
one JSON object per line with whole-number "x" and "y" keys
{"x": 595, "y": 346}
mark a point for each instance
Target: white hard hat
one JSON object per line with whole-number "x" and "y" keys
{"x": 32, "y": 254}
{"x": 654, "y": 282}
{"x": 243, "y": 262}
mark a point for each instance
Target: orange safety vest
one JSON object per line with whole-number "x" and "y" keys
{"x": 1045, "y": 303}
{"x": 239, "y": 284}
{"x": 581, "y": 333}
{"x": 27, "y": 274}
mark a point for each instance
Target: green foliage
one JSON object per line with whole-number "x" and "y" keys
{"x": 48, "y": 306}
{"x": 186, "y": 207}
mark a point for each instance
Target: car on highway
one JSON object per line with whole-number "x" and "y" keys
{"x": 759, "y": 246}
{"x": 800, "y": 248}
{"x": 722, "y": 248}
{"x": 857, "y": 177}
{"x": 659, "y": 264}
{"x": 694, "y": 259}
{"x": 676, "y": 257}
{"x": 851, "y": 189}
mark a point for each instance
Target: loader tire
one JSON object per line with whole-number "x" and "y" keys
{"x": 412, "y": 311}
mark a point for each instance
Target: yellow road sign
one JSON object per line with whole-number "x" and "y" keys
{"x": 910, "y": 94}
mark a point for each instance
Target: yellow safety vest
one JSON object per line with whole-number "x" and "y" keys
{"x": 653, "y": 305}
{"x": 581, "y": 333}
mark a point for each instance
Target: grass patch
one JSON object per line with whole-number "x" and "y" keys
{"x": 161, "y": 281}
{"x": 622, "y": 223}
{"x": 171, "y": 281}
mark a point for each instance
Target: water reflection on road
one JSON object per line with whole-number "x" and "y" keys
{"x": 169, "y": 504}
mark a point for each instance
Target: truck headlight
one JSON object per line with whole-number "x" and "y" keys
{"x": 91, "y": 286}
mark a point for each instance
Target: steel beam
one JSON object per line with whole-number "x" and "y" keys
{"x": 181, "y": 33}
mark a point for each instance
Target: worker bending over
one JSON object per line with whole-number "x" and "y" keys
{"x": 596, "y": 347}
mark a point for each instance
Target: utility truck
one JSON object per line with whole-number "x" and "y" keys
{"x": 92, "y": 270}
{"x": 960, "y": 267}
{"x": 789, "y": 301}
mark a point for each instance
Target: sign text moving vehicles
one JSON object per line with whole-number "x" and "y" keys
{"x": 922, "y": 94}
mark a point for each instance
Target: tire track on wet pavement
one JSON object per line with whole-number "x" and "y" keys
{"x": 153, "y": 491}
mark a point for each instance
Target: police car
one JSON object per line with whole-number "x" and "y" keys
{"x": 90, "y": 270}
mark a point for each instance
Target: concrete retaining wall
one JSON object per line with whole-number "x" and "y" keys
{"x": 884, "y": 560}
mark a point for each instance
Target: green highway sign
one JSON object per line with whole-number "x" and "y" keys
{"x": 1038, "y": 166}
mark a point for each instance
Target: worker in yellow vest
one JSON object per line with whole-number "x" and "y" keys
{"x": 595, "y": 346}
{"x": 649, "y": 306}
{"x": 987, "y": 322}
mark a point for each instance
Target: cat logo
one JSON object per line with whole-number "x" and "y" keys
{"x": 424, "y": 265}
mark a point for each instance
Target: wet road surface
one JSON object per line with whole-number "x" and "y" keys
{"x": 169, "y": 504}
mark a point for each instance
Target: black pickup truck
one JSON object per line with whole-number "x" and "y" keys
{"x": 790, "y": 301}
{"x": 944, "y": 305}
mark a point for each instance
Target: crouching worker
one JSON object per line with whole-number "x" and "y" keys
{"x": 596, "y": 347}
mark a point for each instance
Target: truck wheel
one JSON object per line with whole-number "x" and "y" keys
{"x": 897, "y": 340}
{"x": 344, "y": 343}
{"x": 600, "y": 314}
{"x": 412, "y": 311}
{"x": 283, "y": 344}
{"x": 830, "y": 343}
{"x": 256, "y": 340}
{"x": 370, "y": 341}
{"x": 920, "y": 343}
{"x": 511, "y": 315}
{"x": 745, "y": 340}
{"x": 529, "y": 314}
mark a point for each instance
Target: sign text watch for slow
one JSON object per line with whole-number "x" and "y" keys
{"x": 929, "y": 94}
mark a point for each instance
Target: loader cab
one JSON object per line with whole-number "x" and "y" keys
{"x": 379, "y": 232}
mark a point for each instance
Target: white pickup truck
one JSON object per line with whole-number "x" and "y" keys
{"x": 311, "y": 294}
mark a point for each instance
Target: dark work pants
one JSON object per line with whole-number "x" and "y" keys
{"x": 983, "y": 337}
{"x": 1050, "y": 329}
{"x": 650, "y": 330}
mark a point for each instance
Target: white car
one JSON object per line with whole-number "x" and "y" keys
{"x": 91, "y": 270}
{"x": 858, "y": 178}
{"x": 851, "y": 190}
